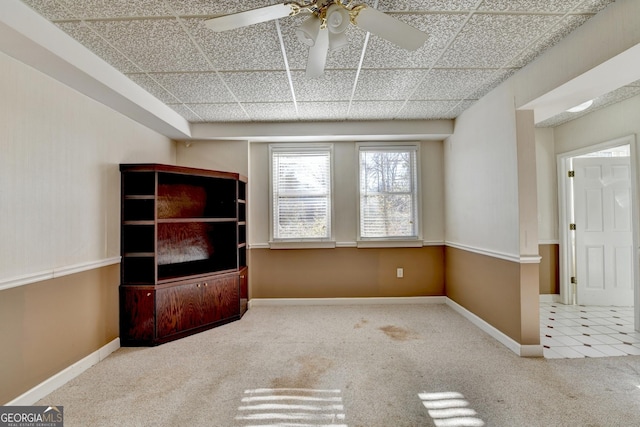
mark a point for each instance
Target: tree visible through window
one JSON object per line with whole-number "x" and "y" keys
{"x": 301, "y": 190}
{"x": 388, "y": 192}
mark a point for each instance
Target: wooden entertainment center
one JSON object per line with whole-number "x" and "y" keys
{"x": 184, "y": 257}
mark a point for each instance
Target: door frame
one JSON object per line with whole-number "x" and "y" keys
{"x": 565, "y": 217}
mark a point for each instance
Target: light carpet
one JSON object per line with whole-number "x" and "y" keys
{"x": 356, "y": 366}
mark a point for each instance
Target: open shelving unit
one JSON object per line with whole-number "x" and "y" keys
{"x": 183, "y": 246}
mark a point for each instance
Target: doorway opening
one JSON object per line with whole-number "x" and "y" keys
{"x": 599, "y": 226}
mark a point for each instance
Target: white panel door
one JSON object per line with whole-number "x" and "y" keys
{"x": 604, "y": 243}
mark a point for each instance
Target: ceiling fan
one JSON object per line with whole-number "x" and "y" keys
{"x": 325, "y": 29}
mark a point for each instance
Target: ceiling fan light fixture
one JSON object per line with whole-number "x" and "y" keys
{"x": 337, "y": 18}
{"x": 308, "y": 32}
{"x": 334, "y": 16}
{"x": 337, "y": 41}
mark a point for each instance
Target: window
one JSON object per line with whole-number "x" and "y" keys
{"x": 301, "y": 193}
{"x": 388, "y": 192}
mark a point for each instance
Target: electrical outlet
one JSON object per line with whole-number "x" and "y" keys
{"x": 400, "y": 273}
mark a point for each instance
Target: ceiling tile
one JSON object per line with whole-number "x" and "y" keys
{"x": 387, "y": 84}
{"x": 441, "y": 28}
{"x": 593, "y": 6}
{"x": 548, "y": 39}
{"x": 51, "y": 10}
{"x": 483, "y": 86}
{"x": 258, "y": 86}
{"x": 186, "y": 112}
{"x": 426, "y": 5}
{"x": 213, "y": 7}
{"x": 374, "y": 110}
{"x": 417, "y": 110}
{"x": 203, "y": 87}
{"x": 256, "y": 47}
{"x": 153, "y": 44}
{"x": 83, "y": 33}
{"x": 333, "y": 85}
{"x": 493, "y": 40}
{"x": 558, "y": 6}
{"x": 99, "y": 9}
{"x": 219, "y": 112}
{"x": 445, "y": 84}
{"x": 322, "y": 111}
{"x": 152, "y": 86}
{"x": 459, "y": 109}
{"x": 271, "y": 111}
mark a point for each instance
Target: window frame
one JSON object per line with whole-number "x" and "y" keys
{"x": 302, "y": 242}
{"x": 391, "y": 241}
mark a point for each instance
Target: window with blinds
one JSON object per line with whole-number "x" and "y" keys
{"x": 388, "y": 192}
{"x": 301, "y": 193}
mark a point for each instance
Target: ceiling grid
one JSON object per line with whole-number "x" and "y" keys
{"x": 256, "y": 74}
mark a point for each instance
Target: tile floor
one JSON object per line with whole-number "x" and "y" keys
{"x": 572, "y": 331}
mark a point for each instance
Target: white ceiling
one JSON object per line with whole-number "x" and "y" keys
{"x": 256, "y": 74}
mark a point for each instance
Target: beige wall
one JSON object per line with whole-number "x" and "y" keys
{"x": 346, "y": 272}
{"x": 45, "y": 327}
{"x": 549, "y": 269}
{"x": 60, "y": 211}
{"x": 497, "y": 291}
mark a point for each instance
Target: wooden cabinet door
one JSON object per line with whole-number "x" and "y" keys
{"x": 208, "y": 301}
{"x": 226, "y": 297}
{"x": 244, "y": 290}
{"x": 136, "y": 314}
{"x": 179, "y": 308}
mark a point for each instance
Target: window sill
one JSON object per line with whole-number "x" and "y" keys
{"x": 390, "y": 243}
{"x": 302, "y": 245}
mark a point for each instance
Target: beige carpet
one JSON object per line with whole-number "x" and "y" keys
{"x": 356, "y": 366}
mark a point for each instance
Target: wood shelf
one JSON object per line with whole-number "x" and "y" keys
{"x": 188, "y": 220}
{"x": 183, "y": 251}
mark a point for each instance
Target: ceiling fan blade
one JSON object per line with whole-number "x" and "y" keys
{"x": 389, "y": 28}
{"x": 248, "y": 17}
{"x": 318, "y": 55}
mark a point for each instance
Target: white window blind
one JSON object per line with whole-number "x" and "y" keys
{"x": 301, "y": 193}
{"x": 388, "y": 192}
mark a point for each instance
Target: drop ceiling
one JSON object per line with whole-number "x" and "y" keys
{"x": 256, "y": 74}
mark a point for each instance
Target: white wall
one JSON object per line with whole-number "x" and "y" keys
{"x": 226, "y": 156}
{"x": 547, "y": 186}
{"x": 481, "y": 177}
{"x": 59, "y": 176}
{"x": 616, "y": 121}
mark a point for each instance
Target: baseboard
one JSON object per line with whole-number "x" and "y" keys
{"x": 550, "y": 298}
{"x": 61, "y": 378}
{"x": 517, "y": 348}
{"x": 266, "y": 302}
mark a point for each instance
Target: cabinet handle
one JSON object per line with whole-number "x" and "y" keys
{"x": 205, "y": 284}
{"x": 242, "y": 277}
{"x": 198, "y": 285}
{"x": 148, "y": 294}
